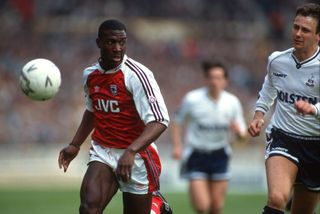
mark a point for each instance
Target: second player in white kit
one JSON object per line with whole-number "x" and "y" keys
{"x": 211, "y": 115}
{"x": 208, "y": 119}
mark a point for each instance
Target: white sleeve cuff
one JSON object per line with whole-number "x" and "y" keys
{"x": 317, "y": 108}
{"x": 164, "y": 122}
{"x": 262, "y": 109}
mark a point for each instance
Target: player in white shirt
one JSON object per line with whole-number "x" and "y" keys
{"x": 293, "y": 136}
{"x": 210, "y": 113}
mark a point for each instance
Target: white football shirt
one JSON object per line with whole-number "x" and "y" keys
{"x": 208, "y": 119}
{"x": 287, "y": 81}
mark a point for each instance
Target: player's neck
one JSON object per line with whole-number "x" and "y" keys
{"x": 107, "y": 65}
{"x": 303, "y": 55}
{"x": 214, "y": 94}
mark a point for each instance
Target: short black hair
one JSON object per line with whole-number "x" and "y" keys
{"x": 110, "y": 24}
{"x": 312, "y": 10}
{"x": 208, "y": 65}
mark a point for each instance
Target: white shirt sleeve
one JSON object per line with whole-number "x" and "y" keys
{"x": 88, "y": 101}
{"x": 238, "y": 117}
{"x": 183, "y": 111}
{"x": 147, "y": 96}
{"x": 317, "y": 107}
{"x": 267, "y": 94}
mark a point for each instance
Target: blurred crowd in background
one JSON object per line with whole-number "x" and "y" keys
{"x": 170, "y": 37}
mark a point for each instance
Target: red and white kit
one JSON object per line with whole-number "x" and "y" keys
{"x": 123, "y": 100}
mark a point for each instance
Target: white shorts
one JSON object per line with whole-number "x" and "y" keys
{"x": 145, "y": 171}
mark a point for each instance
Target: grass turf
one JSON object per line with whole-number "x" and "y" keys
{"x": 52, "y": 201}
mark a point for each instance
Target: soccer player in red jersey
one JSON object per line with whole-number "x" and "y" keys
{"x": 126, "y": 112}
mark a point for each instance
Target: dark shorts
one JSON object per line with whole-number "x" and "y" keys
{"x": 213, "y": 165}
{"x": 304, "y": 151}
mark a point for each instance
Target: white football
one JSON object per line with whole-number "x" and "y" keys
{"x": 40, "y": 79}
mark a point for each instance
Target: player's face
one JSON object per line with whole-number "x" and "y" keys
{"x": 216, "y": 80}
{"x": 112, "y": 47}
{"x": 304, "y": 34}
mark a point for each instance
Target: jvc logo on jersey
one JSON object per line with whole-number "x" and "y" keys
{"x": 279, "y": 74}
{"x": 107, "y": 106}
{"x": 292, "y": 98}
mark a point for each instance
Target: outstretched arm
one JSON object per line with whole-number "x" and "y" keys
{"x": 267, "y": 95}
{"x": 68, "y": 153}
{"x": 150, "y": 133}
{"x": 176, "y": 133}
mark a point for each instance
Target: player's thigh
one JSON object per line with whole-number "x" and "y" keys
{"x": 200, "y": 194}
{"x": 281, "y": 175}
{"x": 304, "y": 201}
{"x": 136, "y": 203}
{"x": 98, "y": 186}
{"x": 217, "y": 192}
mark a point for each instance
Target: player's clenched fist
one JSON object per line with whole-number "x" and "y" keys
{"x": 255, "y": 127}
{"x": 66, "y": 155}
{"x": 256, "y": 124}
{"x": 304, "y": 107}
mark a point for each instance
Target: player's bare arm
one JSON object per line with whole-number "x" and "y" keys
{"x": 150, "y": 133}
{"x": 176, "y": 140}
{"x": 68, "y": 153}
{"x": 256, "y": 124}
{"x": 305, "y": 108}
{"x": 236, "y": 129}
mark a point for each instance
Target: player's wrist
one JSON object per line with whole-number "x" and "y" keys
{"x": 74, "y": 145}
{"x": 132, "y": 150}
{"x": 258, "y": 115}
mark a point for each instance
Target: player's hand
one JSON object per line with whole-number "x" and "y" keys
{"x": 125, "y": 164}
{"x": 304, "y": 107}
{"x": 66, "y": 155}
{"x": 255, "y": 127}
{"x": 177, "y": 152}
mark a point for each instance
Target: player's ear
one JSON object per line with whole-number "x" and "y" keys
{"x": 98, "y": 42}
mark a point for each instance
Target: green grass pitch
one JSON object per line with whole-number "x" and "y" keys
{"x": 52, "y": 201}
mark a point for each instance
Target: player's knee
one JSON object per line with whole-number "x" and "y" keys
{"x": 277, "y": 200}
{"x": 202, "y": 208}
{"x": 89, "y": 208}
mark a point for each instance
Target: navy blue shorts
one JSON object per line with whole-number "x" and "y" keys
{"x": 304, "y": 151}
{"x": 213, "y": 165}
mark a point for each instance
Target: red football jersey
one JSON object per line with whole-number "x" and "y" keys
{"x": 123, "y": 100}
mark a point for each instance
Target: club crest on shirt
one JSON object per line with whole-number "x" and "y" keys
{"x": 310, "y": 81}
{"x": 114, "y": 89}
{"x": 152, "y": 99}
{"x": 96, "y": 88}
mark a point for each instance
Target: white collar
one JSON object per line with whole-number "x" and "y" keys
{"x": 306, "y": 60}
